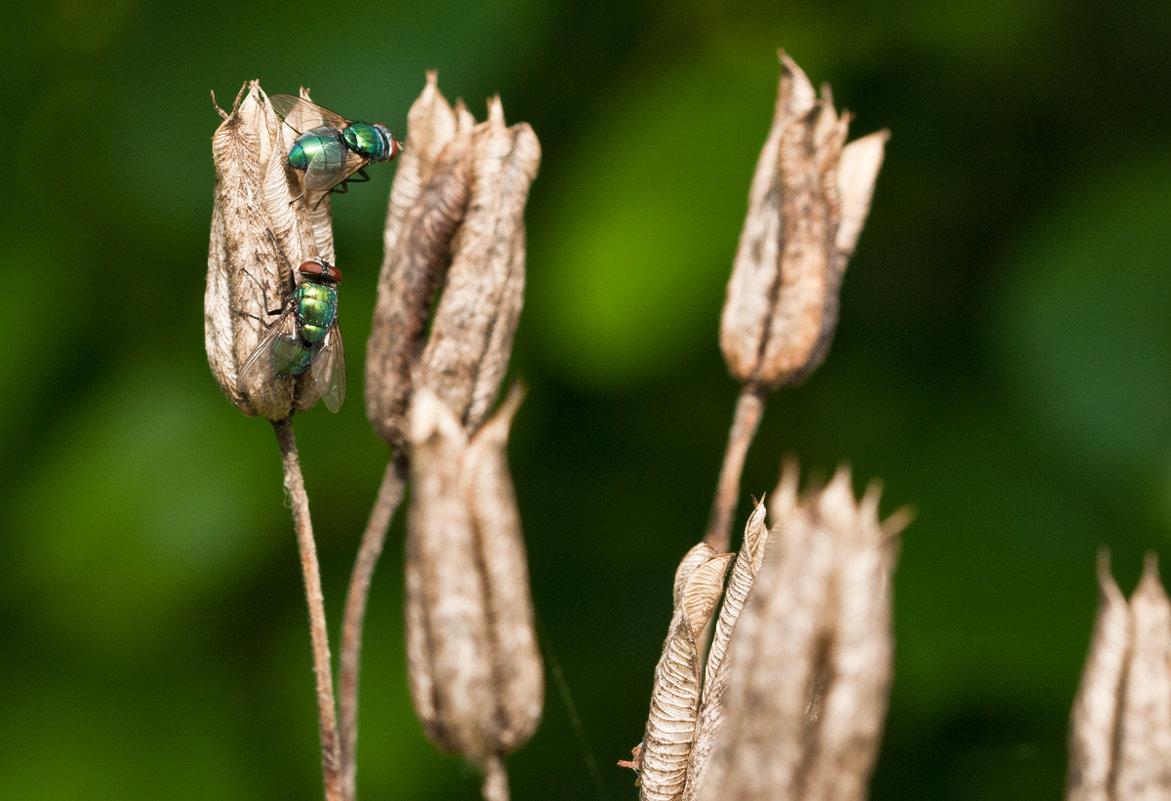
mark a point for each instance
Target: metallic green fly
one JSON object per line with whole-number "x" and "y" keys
{"x": 305, "y": 337}
{"x": 330, "y": 149}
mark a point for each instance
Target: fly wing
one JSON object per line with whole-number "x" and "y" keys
{"x": 262, "y": 364}
{"x": 302, "y": 114}
{"x": 333, "y": 164}
{"x": 329, "y": 369}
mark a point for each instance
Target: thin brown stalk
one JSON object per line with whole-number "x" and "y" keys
{"x": 390, "y": 495}
{"x": 295, "y": 485}
{"x": 749, "y": 409}
{"x": 494, "y": 786}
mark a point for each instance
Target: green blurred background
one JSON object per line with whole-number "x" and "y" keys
{"x": 1003, "y": 365}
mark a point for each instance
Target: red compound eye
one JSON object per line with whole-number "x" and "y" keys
{"x": 312, "y": 268}
{"x": 315, "y": 268}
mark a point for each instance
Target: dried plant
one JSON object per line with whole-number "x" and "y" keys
{"x": 809, "y": 199}
{"x": 1120, "y": 732}
{"x": 788, "y": 698}
{"x": 475, "y": 672}
{"x": 450, "y": 296}
{"x": 254, "y": 225}
{"x": 795, "y": 684}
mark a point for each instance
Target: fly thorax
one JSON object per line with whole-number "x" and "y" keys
{"x": 316, "y": 310}
{"x": 373, "y": 141}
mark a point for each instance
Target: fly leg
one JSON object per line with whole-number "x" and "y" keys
{"x": 264, "y": 294}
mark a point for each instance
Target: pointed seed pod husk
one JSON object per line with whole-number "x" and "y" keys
{"x": 850, "y": 699}
{"x": 1144, "y": 736}
{"x": 675, "y": 695}
{"x": 815, "y": 628}
{"x": 716, "y": 670}
{"x": 462, "y": 231}
{"x": 406, "y": 289}
{"x": 474, "y": 669}
{"x": 431, "y": 124}
{"x": 1095, "y": 709}
{"x": 516, "y": 665}
{"x": 247, "y": 276}
{"x": 467, "y": 353}
{"x": 804, "y": 217}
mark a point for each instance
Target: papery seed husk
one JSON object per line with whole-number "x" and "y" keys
{"x": 431, "y": 124}
{"x": 856, "y": 175}
{"x": 244, "y": 275}
{"x": 804, "y": 303}
{"x": 471, "y": 335}
{"x": 247, "y": 276}
{"x": 1143, "y": 768}
{"x": 675, "y": 695}
{"x": 406, "y": 290}
{"x": 716, "y": 670}
{"x": 782, "y": 502}
{"x": 1095, "y": 709}
{"x": 449, "y": 647}
{"x": 518, "y": 673}
{"x": 700, "y": 553}
{"x": 756, "y": 268}
{"x": 464, "y": 120}
{"x": 853, "y": 692}
{"x": 775, "y": 656}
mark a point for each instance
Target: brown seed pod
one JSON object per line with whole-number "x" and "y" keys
{"x": 253, "y": 222}
{"x": 808, "y": 202}
{"x": 452, "y": 283}
{"x": 475, "y": 672}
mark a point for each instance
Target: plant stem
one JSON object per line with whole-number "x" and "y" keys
{"x": 295, "y": 485}
{"x": 390, "y": 495}
{"x": 494, "y": 786}
{"x": 749, "y": 409}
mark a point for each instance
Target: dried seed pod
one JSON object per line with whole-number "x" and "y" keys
{"x": 807, "y": 205}
{"x": 716, "y": 671}
{"x": 431, "y": 124}
{"x": 253, "y": 221}
{"x": 1095, "y": 710}
{"x": 488, "y": 492}
{"x": 474, "y": 668}
{"x": 1144, "y": 725}
{"x": 1096, "y": 706}
{"x": 816, "y": 627}
{"x": 666, "y": 747}
{"x": 457, "y": 223}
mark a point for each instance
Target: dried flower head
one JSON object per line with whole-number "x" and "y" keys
{"x": 716, "y": 674}
{"x": 475, "y": 672}
{"x": 1120, "y": 734}
{"x": 670, "y": 729}
{"x": 808, "y": 202}
{"x": 811, "y": 657}
{"x": 452, "y": 280}
{"x": 253, "y": 227}
{"x": 795, "y": 685}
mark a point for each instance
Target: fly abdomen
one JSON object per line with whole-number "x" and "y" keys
{"x": 290, "y": 357}
{"x": 318, "y": 143}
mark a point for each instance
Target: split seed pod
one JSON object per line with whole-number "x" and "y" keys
{"x": 670, "y": 728}
{"x": 452, "y": 281}
{"x": 716, "y": 672}
{"x": 476, "y": 676}
{"x": 1120, "y": 733}
{"x": 247, "y": 277}
{"x": 810, "y": 658}
{"x": 808, "y": 203}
